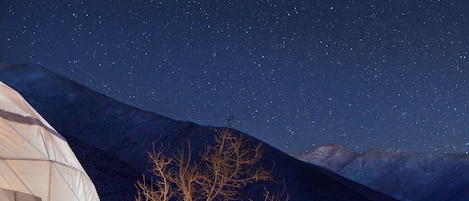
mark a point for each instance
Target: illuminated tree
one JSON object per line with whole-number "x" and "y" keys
{"x": 224, "y": 169}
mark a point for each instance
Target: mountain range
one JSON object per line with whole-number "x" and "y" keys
{"x": 111, "y": 139}
{"x": 404, "y": 175}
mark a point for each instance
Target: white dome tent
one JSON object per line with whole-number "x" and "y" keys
{"x": 36, "y": 163}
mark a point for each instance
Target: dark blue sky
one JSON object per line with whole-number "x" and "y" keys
{"x": 296, "y": 74}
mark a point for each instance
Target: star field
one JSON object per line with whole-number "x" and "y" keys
{"x": 295, "y": 74}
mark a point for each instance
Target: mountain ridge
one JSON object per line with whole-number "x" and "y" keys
{"x": 127, "y": 133}
{"x": 405, "y": 175}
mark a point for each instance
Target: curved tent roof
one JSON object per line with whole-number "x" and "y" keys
{"x": 36, "y": 163}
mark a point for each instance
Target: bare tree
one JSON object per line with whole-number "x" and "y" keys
{"x": 161, "y": 189}
{"x": 224, "y": 169}
{"x": 268, "y": 196}
{"x": 187, "y": 175}
{"x": 230, "y": 165}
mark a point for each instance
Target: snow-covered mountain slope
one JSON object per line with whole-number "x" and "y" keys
{"x": 332, "y": 156}
{"x": 404, "y": 175}
{"x": 122, "y": 134}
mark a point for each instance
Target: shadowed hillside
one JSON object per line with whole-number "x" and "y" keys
{"x": 123, "y": 134}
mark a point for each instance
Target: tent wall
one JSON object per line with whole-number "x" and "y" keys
{"x": 36, "y": 163}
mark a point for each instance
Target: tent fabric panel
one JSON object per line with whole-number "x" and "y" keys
{"x": 7, "y": 195}
{"x": 77, "y": 180}
{"x": 62, "y": 181}
{"x": 13, "y": 102}
{"x": 89, "y": 189}
{"x": 9, "y": 101}
{"x": 59, "y": 150}
{"x": 9, "y": 178}
{"x": 13, "y": 145}
{"x": 32, "y": 175}
{"x": 10, "y": 195}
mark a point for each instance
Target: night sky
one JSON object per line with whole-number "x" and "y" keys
{"x": 295, "y": 74}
